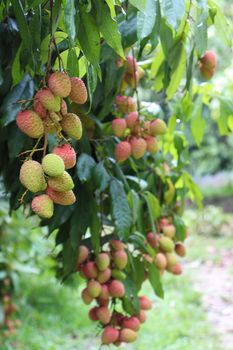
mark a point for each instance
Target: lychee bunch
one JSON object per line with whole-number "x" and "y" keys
{"x": 208, "y": 64}
{"x": 104, "y": 274}
{"x": 139, "y": 135}
{"x": 133, "y": 73}
{"x": 50, "y": 116}
{"x": 167, "y": 248}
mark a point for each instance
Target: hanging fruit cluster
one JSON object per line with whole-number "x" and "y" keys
{"x": 208, "y": 64}
{"x": 50, "y": 116}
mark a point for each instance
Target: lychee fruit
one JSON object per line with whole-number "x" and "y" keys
{"x": 48, "y": 100}
{"x": 67, "y": 153}
{"x": 30, "y": 123}
{"x": 171, "y": 259}
{"x": 102, "y": 261}
{"x": 207, "y": 73}
{"x": 161, "y": 261}
{"x": 32, "y": 176}
{"x": 151, "y": 144}
{"x": 131, "y": 65}
{"x": 59, "y": 83}
{"x": 94, "y": 288}
{"x": 175, "y": 269}
{"x": 104, "y": 276}
{"x": 43, "y": 206}
{"x": 63, "y": 107}
{"x": 53, "y": 165}
{"x": 142, "y": 316}
{"x": 123, "y": 151}
{"x": 146, "y": 128}
{"x": 209, "y": 59}
{"x": 72, "y": 126}
{"x": 87, "y": 299}
{"x": 169, "y": 230}
{"x": 151, "y": 239}
{"x": 102, "y": 302}
{"x": 62, "y": 198}
{"x": 104, "y": 294}
{"x": 90, "y": 270}
{"x": 116, "y": 289}
{"x": 39, "y": 109}
{"x": 138, "y": 146}
{"x": 131, "y": 119}
{"x": 180, "y": 249}
{"x": 126, "y": 104}
{"x": 92, "y": 314}
{"x": 109, "y": 335}
{"x": 78, "y": 92}
{"x": 83, "y": 253}
{"x": 158, "y": 127}
{"x": 118, "y": 275}
{"x": 132, "y": 79}
{"x": 117, "y": 245}
{"x": 118, "y": 126}
{"x": 127, "y": 335}
{"x": 61, "y": 183}
{"x": 131, "y": 323}
{"x": 103, "y": 314}
{"x": 145, "y": 303}
{"x": 120, "y": 259}
{"x": 166, "y": 244}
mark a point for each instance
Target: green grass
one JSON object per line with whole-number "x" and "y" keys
{"x": 54, "y": 318}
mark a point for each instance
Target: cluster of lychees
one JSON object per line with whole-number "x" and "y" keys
{"x": 104, "y": 274}
{"x": 167, "y": 248}
{"x": 50, "y": 116}
{"x": 208, "y": 64}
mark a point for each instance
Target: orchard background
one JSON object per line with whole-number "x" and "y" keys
{"x": 153, "y": 140}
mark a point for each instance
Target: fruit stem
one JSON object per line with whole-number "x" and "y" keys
{"x": 22, "y": 197}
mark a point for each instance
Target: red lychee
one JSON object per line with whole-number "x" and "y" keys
{"x": 180, "y": 249}
{"x": 161, "y": 261}
{"x": 78, "y": 92}
{"x": 67, "y": 153}
{"x": 62, "y": 198}
{"x": 103, "y": 314}
{"x": 104, "y": 294}
{"x": 158, "y": 127}
{"x": 30, "y": 123}
{"x": 126, "y": 104}
{"x": 209, "y": 60}
{"x": 104, "y": 276}
{"x": 42, "y": 205}
{"x": 92, "y": 314}
{"x": 87, "y": 299}
{"x": 176, "y": 269}
{"x": 142, "y": 316}
{"x": 131, "y": 119}
{"x": 169, "y": 230}
{"x": 120, "y": 259}
{"x": 48, "y": 100}
{"x": 151, "y": 144}
{"x": 109, "y": 335}
{"x": 145, "y": 303}
{"x": 90, "y": 270}
{"x": 151, "y": 239}
{"x": 59, "y": 83}
{"x": 102, "y": 261}
{"x": 83, "y": 253}
{"x": 118, "y": 126}
{"x": 94, "y": 288}
{"x": 127, "y": 335}
{"x": 131, "y": 323}
{"x": 122, "y": 151}
{"x": 138, "y": 146}
{"x": 116, "y": 289}
{"x": 117, "y": 245}
{"x": 39, "y": 109}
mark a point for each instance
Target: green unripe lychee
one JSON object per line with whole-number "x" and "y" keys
{"x": 158, "y": 127}
{"x": 94, "y": 289}
{"x": 119, "y": 275}
{"x": 127, "y": 335}
{"x": 102, "y": 261}
{"x": 61, "y": 183}
{"x": 171, "y": 259}
{"x": 43, "y": 206}
{"x": 72, "y": 125}
{"x": 120, "y": 259}
{"x": 166, "y": 244}
{"x": 104, "y": 276}
{"x": 32, "y": 176}
{"x": 48, "y": 100}
{"x": 53, "y": 165}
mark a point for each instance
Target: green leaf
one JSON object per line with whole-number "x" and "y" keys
{"x": 84, "y": 167}
{"x": 197, "y": 121}
{"x": 131, "y": 301}
{"x": 101, "y": 177}
{"x": 128, "y": 30}
{"x": 69, "y": 255}
{"x": 134, "y": 202}
{"x": 221, "y": 23}
{"x": 56, "y": 14}
{"x": 139, "y": 4}
{"x": 153, "y": 204}
{"x": 120, "y": 209}
{"x": 146, "y": 21}
{"x": 35, "y": 3}
{"x": 69, "y": 17}
{"x": 22, "y": 22}
{"x": 154, "y": 278}
{"x": 88, "y": 36}
{"x": 72, "y": 63}
{"x": 17, "y": 73}
{"x": 95, "y": 228}
{"x": 180, "y": 228}
{"x": 108, "y": 27}
{"x": 173, "y": 11}
{"x": 201, "y": 35}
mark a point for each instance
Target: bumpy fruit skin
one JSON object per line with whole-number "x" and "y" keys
{"x": 90, "y": 270}
{"x": 59, "y": 83}
{"x": 104, "y": 276}
{"x": 43, "y": 206}
{"x": 118, "y": 126}
{"x": 48, "y": 100}
{"x": 30, "y": 123}
{"x": 180, "y": 249}
{"x": 53, "y": 165}
{"x": 166, "y": 244}
{"x": 109, "y": 335}
{"x": 161, "y": 261}
{"x": 32, "y": 177}
{"x": 83, "y": 253}
{"x": 120, "y": 259}
{"x": 131, "y": 323}
{"x": 61, "y": 183}
{"x": 151, "y": 144}
{"x": 102, "y": 261}
{"x": 78, "y": 92}
{"x": 131, "y": 119}
{"x": 72, "y": 125}
{"x": 67, "y": 153}
{"x": 103, "y": 314}
{"x": 94, "y": 289}
{"x": 158, "y": 127}
{"x": 123, "y": 151}
{"x": 39, "y": 109}
{"x": 126, "y": 104}
{"x": 87, "y": 299}
{"x": 169, "y": 230}
{"x": 145, "y": 303}
{"x": 209, "y": 60}
{"x": 127, "y": 335}
{"x": 138, "y": 146}
{"x": 116, "y": 289}
{"x": 62, "y": 198}
{"x": 64, "y": 109}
